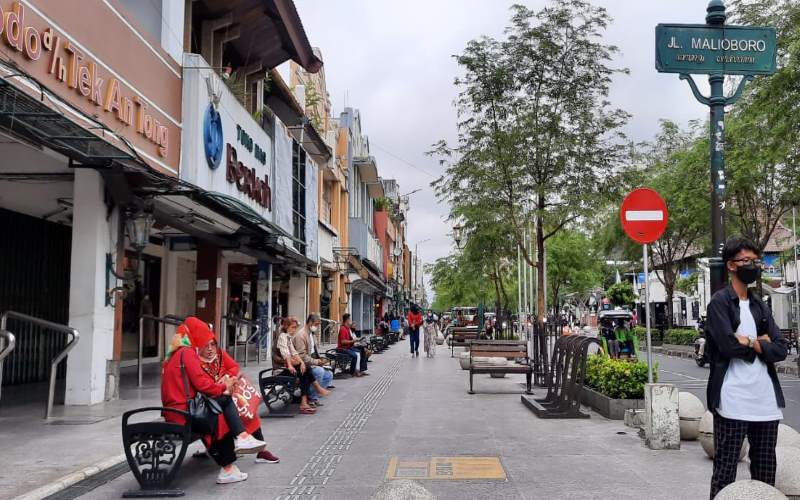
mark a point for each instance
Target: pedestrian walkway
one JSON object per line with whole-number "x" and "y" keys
{"x": 413, "y": 419}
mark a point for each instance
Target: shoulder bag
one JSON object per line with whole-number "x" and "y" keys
{"x": 203, "y": 410}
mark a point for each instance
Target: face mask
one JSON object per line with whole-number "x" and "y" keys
{"x": 748, "y": 274}
{"x": 313, "y": 329}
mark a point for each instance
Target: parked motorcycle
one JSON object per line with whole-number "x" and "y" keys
{"x": 700, "y": 354}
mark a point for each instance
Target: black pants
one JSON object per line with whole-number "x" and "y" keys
{"x": 222, "y": 451}
{"x": 728, "y": 438}
{"x": 414, "y": 339}
{"x": 306, "y": 379}
{"x": 364, "y": 359}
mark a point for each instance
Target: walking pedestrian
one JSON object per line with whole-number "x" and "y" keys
{"x": 429, "y": 337}
{"x": 414, "y": 322}
{"x": 743, "y": 391}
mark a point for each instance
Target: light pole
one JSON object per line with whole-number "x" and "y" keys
{"x": 416, "y": 274}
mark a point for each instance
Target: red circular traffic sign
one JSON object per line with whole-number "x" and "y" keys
{"x": 643, "y": 215}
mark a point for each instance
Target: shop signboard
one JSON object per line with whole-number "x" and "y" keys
{"x": 226, "y": 150}
{"x": 85, "y": 60}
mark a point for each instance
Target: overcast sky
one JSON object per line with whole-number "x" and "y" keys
{"x": 392, "y": 60}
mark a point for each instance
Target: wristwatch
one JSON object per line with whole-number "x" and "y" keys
{"x": 751, "y": 342}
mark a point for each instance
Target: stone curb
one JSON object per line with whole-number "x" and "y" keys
{"x": 66, "y": 481}
{"x": 789, "y": 368}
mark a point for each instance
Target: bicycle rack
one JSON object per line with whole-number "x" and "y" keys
{"x": 255, "y": 330}
{"x": 49, "y": 325}
{"x": 169, "y": 319}
{"x": 9, "y": 343}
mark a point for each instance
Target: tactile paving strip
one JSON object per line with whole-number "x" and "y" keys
{"x": 315, "y": 474}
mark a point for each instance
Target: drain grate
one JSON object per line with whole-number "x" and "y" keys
{"x": 83, "y": 487}
{"x": 309, "y": 482}
{"x": 77, "y": 420}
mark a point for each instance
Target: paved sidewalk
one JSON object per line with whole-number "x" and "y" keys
{"x": 414, "y": 409}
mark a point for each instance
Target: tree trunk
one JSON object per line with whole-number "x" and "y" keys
{"x": 540, "y": 278}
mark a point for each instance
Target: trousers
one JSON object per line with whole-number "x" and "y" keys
{"x": 414, "y": 339}
{"x": 322, "y": 376}
{"x": 728, "y": 438}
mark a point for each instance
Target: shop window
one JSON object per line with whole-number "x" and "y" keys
{"x": 299, "y": 196}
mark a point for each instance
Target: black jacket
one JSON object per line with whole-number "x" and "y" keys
{"x": 721, "y": 344}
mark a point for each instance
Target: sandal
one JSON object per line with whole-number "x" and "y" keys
{"x": 307, "y": 411}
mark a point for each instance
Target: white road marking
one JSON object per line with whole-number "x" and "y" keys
{"x": 644, "y": 215}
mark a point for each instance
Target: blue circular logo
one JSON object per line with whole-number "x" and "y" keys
{"x": 212, "y": 137}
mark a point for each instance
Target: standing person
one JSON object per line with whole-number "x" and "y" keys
{"x": 430, "y": 336}
{"x": 743, "y": 391}
{"x": 306, "y": 346}
{"x": 346, "y": 342}
{"x": 414, "y": 322}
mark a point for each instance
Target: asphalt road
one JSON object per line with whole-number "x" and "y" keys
{"x": 689, "y": 377}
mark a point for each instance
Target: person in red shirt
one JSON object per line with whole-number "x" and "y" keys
{"x": 347, "y": 344}
{"x": 414, "y": 322}
{"x": 192, "y": 340}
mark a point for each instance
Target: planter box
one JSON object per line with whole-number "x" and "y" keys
{"x": 613, "y": 409}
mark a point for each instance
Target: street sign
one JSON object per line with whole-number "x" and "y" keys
{"x": 705, "y": 49}
{"x": 644, "y": 215}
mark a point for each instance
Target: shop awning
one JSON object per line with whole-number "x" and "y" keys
{"x": 269, "y": 31}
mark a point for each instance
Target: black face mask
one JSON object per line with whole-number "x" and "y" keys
{"x": 748, "y": 274}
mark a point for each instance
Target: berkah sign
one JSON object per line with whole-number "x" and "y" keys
{"x": 704, "y": 49}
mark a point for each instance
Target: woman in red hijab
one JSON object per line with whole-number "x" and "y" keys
{"x": 211, "y": 371}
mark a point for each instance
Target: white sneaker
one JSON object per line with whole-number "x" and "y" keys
{"x": 234, "y": 476}
{"x": 248, "y": 445}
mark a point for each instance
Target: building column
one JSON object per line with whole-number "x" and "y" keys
{"x": 208, "y": 292}
{"x": 297, "y": 297}
{"x": 263, "y": 298}
{"x": 314, "y": 292}
{"x": 92, "y": 231}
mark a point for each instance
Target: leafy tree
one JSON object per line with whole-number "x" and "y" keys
{"x": 571, "y": 265}
{"x": 621, "y": 294}
{"x": 537, "y": 135}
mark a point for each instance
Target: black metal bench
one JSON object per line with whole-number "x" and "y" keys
{"x": 278, "y": 393}
{"x": 791, "y": 339}
{"x": 155, "y": 451}
{"x": 460, "y": 336}
{"x": 339, "y": 360}
{"x": 564, "y": 380}
{"x": 512, "y": 350}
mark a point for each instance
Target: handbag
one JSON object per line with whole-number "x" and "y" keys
{"x": 203, "y": 410}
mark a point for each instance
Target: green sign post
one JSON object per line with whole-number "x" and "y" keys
{"x": 717, "y": 50}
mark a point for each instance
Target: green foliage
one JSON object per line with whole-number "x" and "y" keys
{"x": 621, "y": 294}
{"x": 641, "y": 333}
{"x": 572, "y": 266}
{"x": 680, "y": 336}
{"x": 618, "y": 378}
{"x": 688, "y": 285}
{"x": 382, "y": 204}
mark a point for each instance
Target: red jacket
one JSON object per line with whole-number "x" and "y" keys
{"x": 414, "y": 320}
{"x": 173, "y": 394}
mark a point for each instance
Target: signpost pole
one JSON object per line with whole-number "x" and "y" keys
{"x": 716, "y": 17}
{"x": 647, "y": 315}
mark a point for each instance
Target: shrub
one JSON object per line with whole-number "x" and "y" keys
{"x": 679, "y": 336}
{"x": 641, "y": 333}
{"x": 618, "y": 378}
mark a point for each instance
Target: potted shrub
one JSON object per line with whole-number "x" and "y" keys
{"x": 615, "y": 385}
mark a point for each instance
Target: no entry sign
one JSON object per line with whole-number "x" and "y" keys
{"x": 643, "y": 215}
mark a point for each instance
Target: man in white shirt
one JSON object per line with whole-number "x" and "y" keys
{"x": 743, "y": 391}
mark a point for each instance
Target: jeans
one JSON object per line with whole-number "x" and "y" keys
{"x": 414, "y": 339}
{"x": 355, "y": 364}
{"x": 322, "y": 376}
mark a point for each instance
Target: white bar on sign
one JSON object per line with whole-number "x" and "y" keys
{"x": 644, "y": 215}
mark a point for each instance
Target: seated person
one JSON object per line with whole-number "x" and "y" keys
{"x": 611, "y": 340}
{"x": 306, "y": 346}
{"x": 346, "y": 343}
{"x": 189, "y": 352}
{"x": 284, "y": 354}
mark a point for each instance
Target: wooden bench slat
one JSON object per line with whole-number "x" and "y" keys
{"x": 499, "y": 354}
